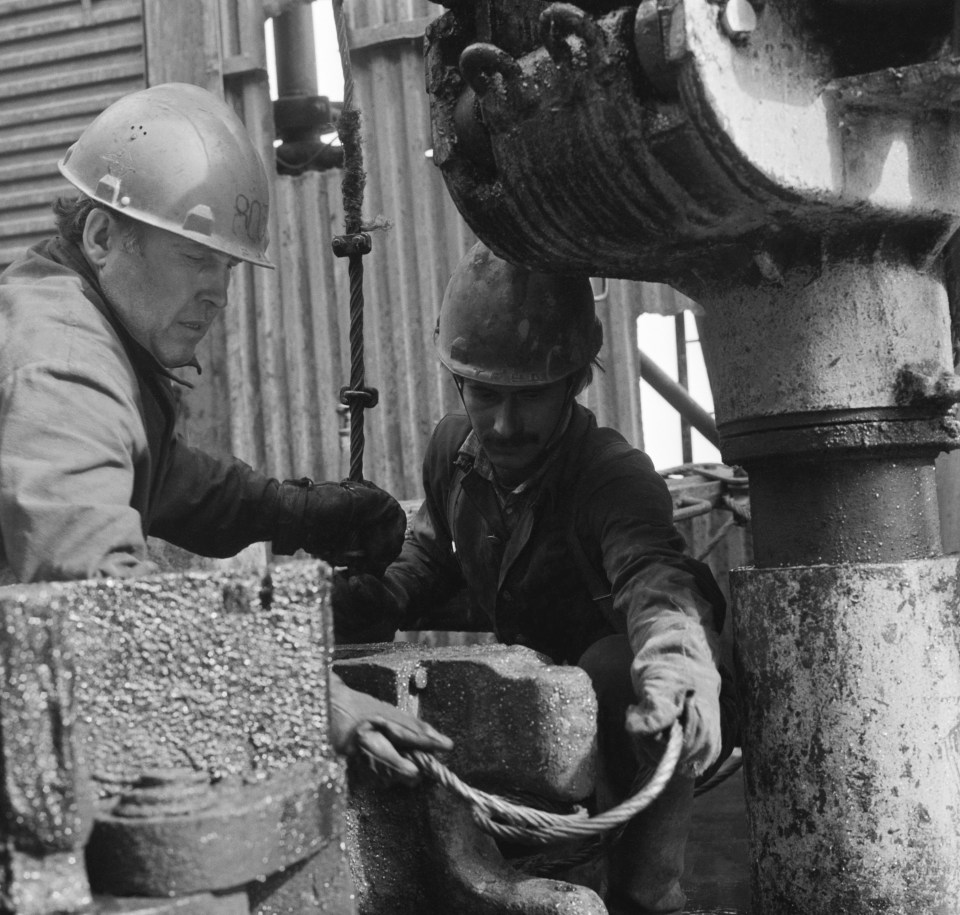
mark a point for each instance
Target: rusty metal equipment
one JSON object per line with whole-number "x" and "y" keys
{"x": 787, "y": 164}
{"x": 165, "y": 750}
{"x": 165, "y": 747}
{"x": 483, "y": 697}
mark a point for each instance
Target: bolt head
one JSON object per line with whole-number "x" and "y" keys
{"x": 738, "y": 19}
{"x": 418, "y": 680}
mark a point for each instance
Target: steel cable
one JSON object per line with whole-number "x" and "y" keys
{"x": 520, "y": 823}
{"x": 357, "y": 397}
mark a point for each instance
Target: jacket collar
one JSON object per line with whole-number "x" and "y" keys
{"x": 68, "y": 254}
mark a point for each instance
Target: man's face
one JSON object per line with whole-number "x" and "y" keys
{"x": 167, "y": 291}
{"x": 514, "y": 425}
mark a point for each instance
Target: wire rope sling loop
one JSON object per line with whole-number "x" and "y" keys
{"x": 524, "y": 825}
{"x": 353, "y": 245}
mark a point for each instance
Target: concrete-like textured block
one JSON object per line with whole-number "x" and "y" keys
{"x": 519, "y": 722}
{"x": 521, "y": 726}
{"x": 206, "y": 671}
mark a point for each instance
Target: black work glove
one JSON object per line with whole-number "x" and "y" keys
{"x": 364, "y": 610}
{"x": 346, "y": 524}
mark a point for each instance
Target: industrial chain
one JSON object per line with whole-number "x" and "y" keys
{"x": 353, "y": 245}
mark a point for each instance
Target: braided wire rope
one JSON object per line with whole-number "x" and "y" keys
{"x": 354, "y": 178}
{"x": 520, "y": 823}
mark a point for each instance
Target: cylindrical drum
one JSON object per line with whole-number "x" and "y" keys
{"x": 850, "y": 691}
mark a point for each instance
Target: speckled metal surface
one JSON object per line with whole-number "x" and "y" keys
{"x": 850, "y": 677}
{"x": 204, "y": 673}
{"x": 192, "y": 670}
{"x": 847, "y": 330}
{"x": 520, "y": 725}
{"x": 518, "y": 722}
{"x": 240, "y": 833}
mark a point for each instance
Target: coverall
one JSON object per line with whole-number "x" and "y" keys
{"x": 90, "y": 462}
{"x": 536, "y": 562}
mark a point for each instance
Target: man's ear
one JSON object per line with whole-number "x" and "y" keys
{"x": 100, "y": 235}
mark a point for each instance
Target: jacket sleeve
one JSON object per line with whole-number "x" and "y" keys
{"x": 666, "y": 599}
{"x": 70, "y": 440}
{"x": 212, "y": 506}
{"x": 426, "y": 574}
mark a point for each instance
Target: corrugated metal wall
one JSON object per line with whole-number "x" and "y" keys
{"x": 281, "y": 354}
{"x": 61, "y": 63}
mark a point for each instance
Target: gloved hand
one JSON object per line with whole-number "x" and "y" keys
{"x": 364, "y": 609}
{"x": 359, "y": 723}
{"x": 347, "y": 524}
{"x": 675, "y": 677}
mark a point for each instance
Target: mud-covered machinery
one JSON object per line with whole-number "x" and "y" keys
{"x": 791, "y": 165}
{"x": 165, "y": 749}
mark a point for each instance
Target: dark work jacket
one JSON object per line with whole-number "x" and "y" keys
{"x": 599, "y": 511}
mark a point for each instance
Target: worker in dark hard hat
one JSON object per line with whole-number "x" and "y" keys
{"x": 172, "y": 196}
{"x": 563, "y": 536}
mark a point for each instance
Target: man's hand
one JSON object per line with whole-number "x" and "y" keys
{"x": 347, "y": 524}
{"x": 361, "y": 724}
{"x": 364, "y": 609}
{"x": 675, "y": 678}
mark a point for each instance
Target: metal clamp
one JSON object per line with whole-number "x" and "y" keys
{"x": 348, "y": 245}
{"x": 365, "y": 397}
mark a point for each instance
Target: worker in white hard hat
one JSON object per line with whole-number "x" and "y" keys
{"x": 560, "y": 536}
{"x": 172, "y": 195}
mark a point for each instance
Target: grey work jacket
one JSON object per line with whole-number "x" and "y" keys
{"x": 90, "y": 461}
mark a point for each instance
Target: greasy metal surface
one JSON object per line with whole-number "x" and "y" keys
{"x": 840, "y": 433}
{"x": 597, "y": 170}
{"x": 520, "y": 726}
{"x": 320, "y": 884}
{"x": 46, "y": 801}
{"x": 63, "y": 62}
{"x": 190, "y": 670}
{"x": 241, "y": 833}
{"x": 851, "y": 695}
{"x": 826, "y": 338}
{"x": 475, "y": 879}
{"x": 44, "y": 883}
{"x": 480, "y": 695}
{"x": 156, "y": 687}
{"x": 817, "y": 510}
{"x": 197, "y": 904}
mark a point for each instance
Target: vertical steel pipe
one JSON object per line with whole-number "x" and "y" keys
{"x": 295, "y": 51}
{"x": 833, "y": 390}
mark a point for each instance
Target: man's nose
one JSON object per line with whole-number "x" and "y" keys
{"x": 216, "y": 286}
{"x": 505, "y": 423}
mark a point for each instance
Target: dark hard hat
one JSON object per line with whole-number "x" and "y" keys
{"x": 177, "y": 157}
{"x": 503, "y": 324}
